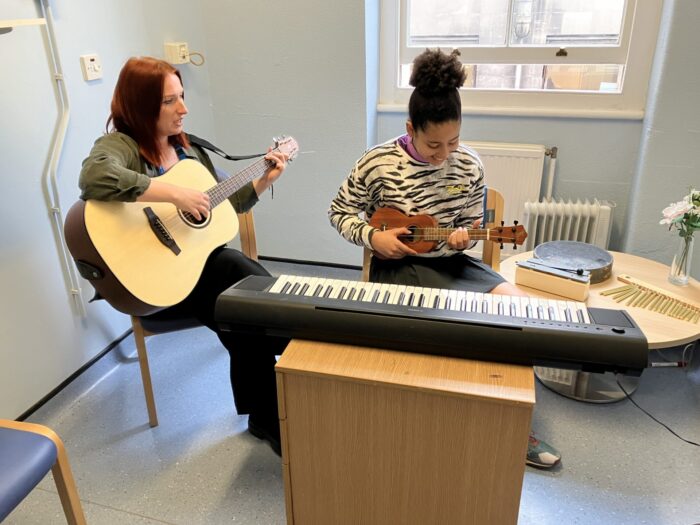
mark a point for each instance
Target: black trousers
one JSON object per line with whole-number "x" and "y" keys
{"x": 252, "y": 355}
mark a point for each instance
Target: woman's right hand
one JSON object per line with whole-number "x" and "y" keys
{"x": 186, "y": 199}
{"x": 387, "y": 244}
{"x": 193, "y": 201}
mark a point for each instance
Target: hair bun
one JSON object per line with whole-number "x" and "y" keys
{"x": 435, "y": 72}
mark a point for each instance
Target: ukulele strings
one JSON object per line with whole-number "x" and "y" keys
{"x": 436, "y": 234}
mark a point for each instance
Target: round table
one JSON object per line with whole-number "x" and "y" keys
{"x": 660, "y": 330}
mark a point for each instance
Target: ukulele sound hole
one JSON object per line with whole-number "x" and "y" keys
{"x": 190, "y": 219}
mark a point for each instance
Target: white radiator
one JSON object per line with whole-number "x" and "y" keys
{"x": 516, "y": 171}
{"x": 550, "y": 220}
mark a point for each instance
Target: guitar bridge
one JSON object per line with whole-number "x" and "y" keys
{"x": 161, "y": 231}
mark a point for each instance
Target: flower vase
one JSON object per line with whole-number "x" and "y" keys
{"x": 680, "y": 267}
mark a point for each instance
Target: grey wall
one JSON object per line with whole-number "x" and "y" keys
{"x": 298, "y": 68}
{"x": 295, "y": 68}
{"x": 669, "y": 159}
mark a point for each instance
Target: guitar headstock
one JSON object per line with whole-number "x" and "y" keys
{"x": 288, "y": 146}
{"x": 515, "y": 234}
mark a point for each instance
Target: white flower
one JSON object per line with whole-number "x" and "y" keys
{"x": 676, "y": 210}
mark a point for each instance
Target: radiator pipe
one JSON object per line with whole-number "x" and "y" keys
{"x": 50, "y": 178}
{"x": 551, "y": 167}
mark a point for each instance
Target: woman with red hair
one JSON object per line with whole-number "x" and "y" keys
{"x": 145, "y": 138}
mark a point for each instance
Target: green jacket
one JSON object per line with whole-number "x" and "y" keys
{"x": 114, "y": 170}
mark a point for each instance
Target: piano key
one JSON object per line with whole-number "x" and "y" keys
{"x": 361, "y": 293}
{"x": 500, "y": 308}
{"x": 444, "y": 296}
{"x": 370, "y": 289}
{"x": 338, "y": 288}
{"x": 311, "y": 286}
{"x": 432, "y": 298}
{"x": 488, "y": 304}
{"x": 280, "y": 283}
{"x": 394, "y": 295}
{"x": 455, "y": 303}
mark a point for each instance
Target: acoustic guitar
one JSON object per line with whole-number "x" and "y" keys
{"x": 425, "y": 232}
{"x": 145, "y": 256}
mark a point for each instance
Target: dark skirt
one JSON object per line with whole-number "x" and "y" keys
{"x": 456, "y": 272}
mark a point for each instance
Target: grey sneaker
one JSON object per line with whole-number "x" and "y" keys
{"x": 540, "y": 454}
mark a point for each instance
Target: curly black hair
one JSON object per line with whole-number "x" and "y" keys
{"x": 436, "y": 77}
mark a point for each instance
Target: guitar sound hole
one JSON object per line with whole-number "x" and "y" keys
{"x": 192, "y": 221}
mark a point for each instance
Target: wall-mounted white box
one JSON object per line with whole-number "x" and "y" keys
{"x": 177, "y": 52}
{"x": 91, "y": 67}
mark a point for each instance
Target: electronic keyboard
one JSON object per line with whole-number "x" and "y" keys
{"x": 490, "y": 327}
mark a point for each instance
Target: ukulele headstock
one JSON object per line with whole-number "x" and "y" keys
{"x": 515, "y": 233}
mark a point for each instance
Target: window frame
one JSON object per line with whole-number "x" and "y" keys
{"x": 638, "y": 36}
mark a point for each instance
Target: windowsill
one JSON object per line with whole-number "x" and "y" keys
{"x": 612, "y": 114}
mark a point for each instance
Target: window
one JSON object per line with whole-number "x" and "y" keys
{"x": 537, "y": 57}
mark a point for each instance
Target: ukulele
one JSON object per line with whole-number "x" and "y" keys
{"x": 425, "y": 232}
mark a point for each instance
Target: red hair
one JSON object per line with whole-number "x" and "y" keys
{"x": 136, "y": 104}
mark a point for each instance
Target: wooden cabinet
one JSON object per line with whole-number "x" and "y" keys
{"x": 380, "y": 437}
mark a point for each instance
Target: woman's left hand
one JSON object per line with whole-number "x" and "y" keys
{"x": 272, "y": 174}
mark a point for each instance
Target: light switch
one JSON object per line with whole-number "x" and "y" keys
{"x": 91, "y": 67}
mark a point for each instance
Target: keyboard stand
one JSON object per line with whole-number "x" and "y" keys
{"x": 381, "y": 436}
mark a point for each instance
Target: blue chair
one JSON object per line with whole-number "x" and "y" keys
{"x": 27, "y": 452}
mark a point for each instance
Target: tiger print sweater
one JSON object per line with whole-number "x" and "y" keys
{"x": 386, "y": 175}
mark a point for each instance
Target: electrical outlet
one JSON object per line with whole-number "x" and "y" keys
{"x": 177, "y": 52}
{"x": 91, "y": 67}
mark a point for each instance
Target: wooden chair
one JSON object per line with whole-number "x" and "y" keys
{"x": 491, "y": 251}
{"x": 27, "y": 452}
{"x": 144, "y": 327}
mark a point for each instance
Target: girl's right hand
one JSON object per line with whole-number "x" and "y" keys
{"x": 387, "y": 244}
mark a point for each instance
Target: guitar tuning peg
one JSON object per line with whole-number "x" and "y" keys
{"x": 515, "y": 223}
{"x": 503, "y": 223}
{"x": 515, "y": 245}
{"x": 501, "y": 246}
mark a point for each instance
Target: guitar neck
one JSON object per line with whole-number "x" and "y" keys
{"x": 224, "y": 189}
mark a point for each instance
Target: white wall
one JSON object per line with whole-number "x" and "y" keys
{"x": 43, "y": 340}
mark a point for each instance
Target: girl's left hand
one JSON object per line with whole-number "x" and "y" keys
{"x": 458, "y": 239}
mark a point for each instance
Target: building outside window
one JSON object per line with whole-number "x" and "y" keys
{"x": 549, "y": 57}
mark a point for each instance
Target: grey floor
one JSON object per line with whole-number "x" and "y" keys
{"x": 200, "y": 466}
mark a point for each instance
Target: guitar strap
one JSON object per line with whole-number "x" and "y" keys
{"x": 194, "y": 139}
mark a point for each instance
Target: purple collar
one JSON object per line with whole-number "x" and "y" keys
{"x": 407, "y": 144}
